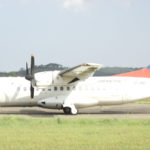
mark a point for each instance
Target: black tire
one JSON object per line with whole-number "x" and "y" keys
{"x": 67, "y": 110}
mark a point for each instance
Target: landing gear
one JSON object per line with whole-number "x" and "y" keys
{"x": 70, "y": 110}
{"x": 67, "y": 110}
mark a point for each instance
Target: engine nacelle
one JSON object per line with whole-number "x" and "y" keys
{"x": 50, "y": 103}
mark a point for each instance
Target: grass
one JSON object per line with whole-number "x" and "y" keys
{"x": 74, "y": 134}
{"x": 143, "y": 102}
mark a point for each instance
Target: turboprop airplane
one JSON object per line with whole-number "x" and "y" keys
{"x": 73, "y": 88}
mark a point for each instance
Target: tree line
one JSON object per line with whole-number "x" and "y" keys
{"x": 106, "y": 71}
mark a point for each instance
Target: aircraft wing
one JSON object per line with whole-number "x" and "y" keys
{"x": 81, "y": 72}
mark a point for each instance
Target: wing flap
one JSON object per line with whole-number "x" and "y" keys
{"x": 80, "y": 70}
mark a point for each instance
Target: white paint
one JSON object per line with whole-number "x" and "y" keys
{"x": 92, "y": 92}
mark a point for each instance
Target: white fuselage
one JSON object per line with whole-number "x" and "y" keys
{"x": 91, "y": 92}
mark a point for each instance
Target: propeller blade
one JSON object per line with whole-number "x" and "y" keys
{"x": 32, "y": 65}
{"x": 30, "y": 76}
{"x": 32, "y": 92}
{"x": 27, "y": 72}
{"x": 27, "y": 69}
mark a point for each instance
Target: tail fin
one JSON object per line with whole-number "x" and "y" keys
{"x": 148, "y": 67}
{"x": 142, "y": 73}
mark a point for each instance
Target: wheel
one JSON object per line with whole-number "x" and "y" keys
{"x": 67, "y": 110}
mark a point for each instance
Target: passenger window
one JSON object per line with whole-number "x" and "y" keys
{"x": 61, "y": 88}
{"x": 49, "y": 89}
{"x": 55, "y": 88}
{"x": 68, "y": 88}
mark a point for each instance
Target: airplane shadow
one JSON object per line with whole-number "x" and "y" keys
{"x": 30, "y": 112}
{"x": 120, "y": 109}
{"x": 114, "y": 112}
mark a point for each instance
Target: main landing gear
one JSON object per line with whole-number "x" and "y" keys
{"x": 70, "y": 110}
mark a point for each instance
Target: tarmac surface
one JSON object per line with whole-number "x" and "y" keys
{"x": 120, "y": 111}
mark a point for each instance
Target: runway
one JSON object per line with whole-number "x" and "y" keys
{"x": 119, "y": 111}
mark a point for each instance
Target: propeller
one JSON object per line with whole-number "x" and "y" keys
{"x": 30, "y": 77}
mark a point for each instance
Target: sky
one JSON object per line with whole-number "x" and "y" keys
{"x": 72, "y": 32}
